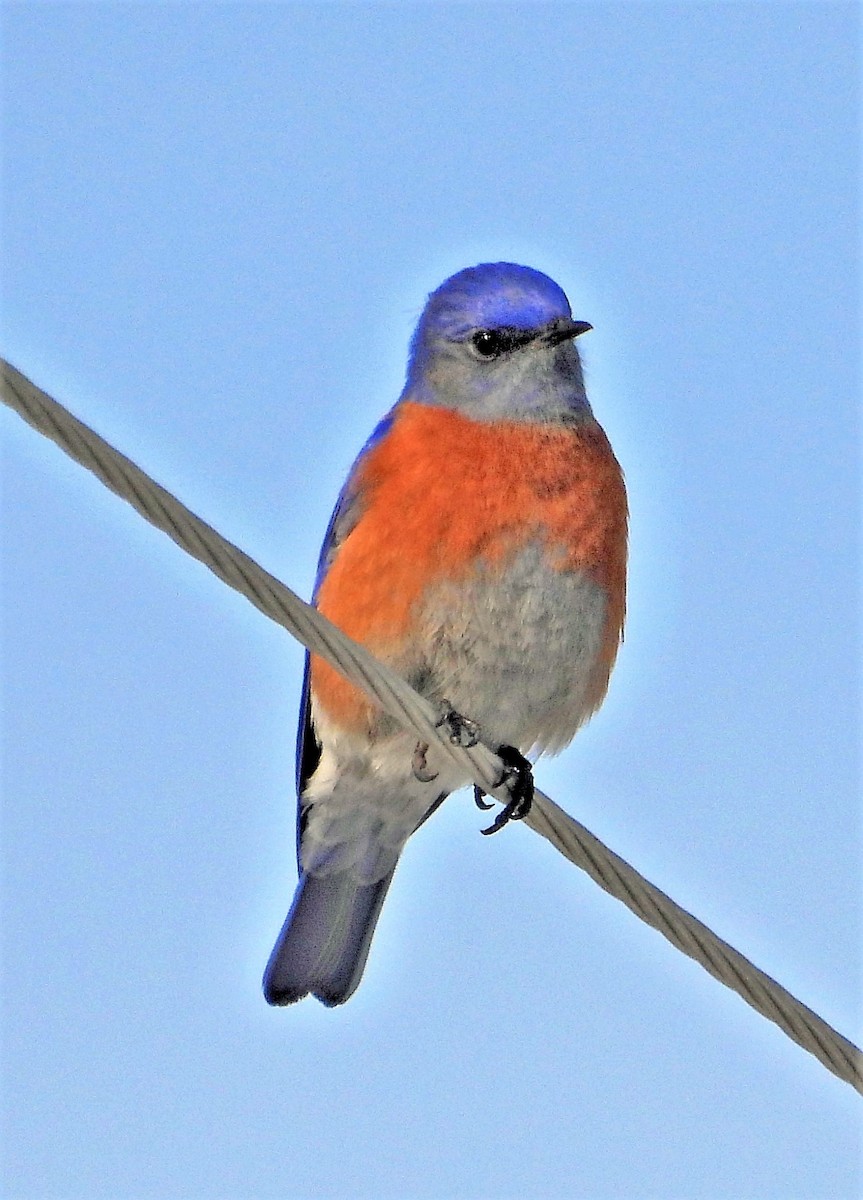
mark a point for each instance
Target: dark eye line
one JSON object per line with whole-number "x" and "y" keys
{"x": 491, "y": 343}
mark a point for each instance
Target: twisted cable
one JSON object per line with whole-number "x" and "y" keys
{"x": 415, "y": 713}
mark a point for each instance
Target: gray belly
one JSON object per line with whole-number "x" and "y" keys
{"x": 515, "y": 651}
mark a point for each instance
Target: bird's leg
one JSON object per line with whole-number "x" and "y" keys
{"x": 517, "y": 775}
{"x": 518, "y": 778}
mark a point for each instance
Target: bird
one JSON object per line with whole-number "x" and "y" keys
{"x": 479, "y": 549}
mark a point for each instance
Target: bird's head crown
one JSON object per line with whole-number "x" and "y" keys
{"x": 491, "y": 296}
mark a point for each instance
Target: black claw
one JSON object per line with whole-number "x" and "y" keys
{"x": 460, "y": 730}
{"x": 478, "y": 794}
{"x": 497, "y": 825}
{"x": 518, "y": 778}
{"x": 419, "y": 764}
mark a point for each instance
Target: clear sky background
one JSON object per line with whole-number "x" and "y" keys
{"x": 220, "y": 225}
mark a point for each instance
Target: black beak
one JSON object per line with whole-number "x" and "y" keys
{"x": 564, "y": 329}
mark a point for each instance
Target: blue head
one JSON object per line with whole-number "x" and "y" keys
{"x": 496, "y": 341}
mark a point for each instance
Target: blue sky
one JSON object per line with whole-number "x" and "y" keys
{"x": 220, "y": 224}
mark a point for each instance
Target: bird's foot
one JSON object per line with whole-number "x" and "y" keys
{"x": 517, "y": 777}
{"x": 460, "y": 730}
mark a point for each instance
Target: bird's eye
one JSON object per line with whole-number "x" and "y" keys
{"x": 487, "y": 343}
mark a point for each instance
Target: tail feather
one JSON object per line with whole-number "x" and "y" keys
{"x": 324, "y": 942}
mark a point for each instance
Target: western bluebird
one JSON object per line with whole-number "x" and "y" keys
{"x": 478, "y": 548}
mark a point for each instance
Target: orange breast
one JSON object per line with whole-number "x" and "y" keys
{"x": 442, "y": 491}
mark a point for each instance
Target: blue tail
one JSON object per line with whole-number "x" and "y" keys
{"x": 325, "y": 939}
